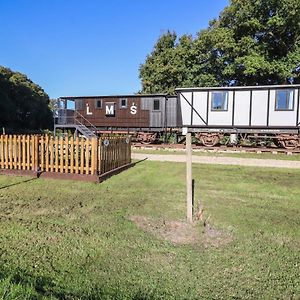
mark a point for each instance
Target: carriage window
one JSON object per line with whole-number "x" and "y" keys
{"x": 219, "y": 101}
{"x": 123, "y": 103}
{"x": 78, "y": 104}
{"x": 156, "y": 105}
{"x": 284, "y": 100}
{"x": 98, "y": 103}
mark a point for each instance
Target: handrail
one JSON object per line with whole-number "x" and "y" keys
{"x": 83, "y": 118}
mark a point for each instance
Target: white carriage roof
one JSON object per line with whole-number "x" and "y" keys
{"x": 256, "y": 87}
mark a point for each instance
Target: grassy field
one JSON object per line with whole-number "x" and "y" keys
{"x": 126, "y": 238}
{"x": 279, "y": 156}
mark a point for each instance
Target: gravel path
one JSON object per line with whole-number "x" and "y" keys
{"x": 253, "y": 162}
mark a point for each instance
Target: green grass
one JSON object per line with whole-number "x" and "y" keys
{"x": 74, "y": 240}
{"x": 279, "y": 156}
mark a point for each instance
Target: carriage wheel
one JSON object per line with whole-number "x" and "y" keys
{"x": 288, "y": 141}
{"x": 147, "y": 138}
{"x": 291, "y": 144}
{"x": 209, "y": 139}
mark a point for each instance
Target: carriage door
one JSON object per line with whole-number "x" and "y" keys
{"x": 156, "y": 113}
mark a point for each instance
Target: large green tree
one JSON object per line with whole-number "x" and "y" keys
{"x": 253, "y": 42}
{"x": 23, "y": 104}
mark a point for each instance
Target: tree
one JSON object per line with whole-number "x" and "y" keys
{"x": 23, "y": 104}
{"x": 160, "y": 72}
{"x": 253, "y": 42}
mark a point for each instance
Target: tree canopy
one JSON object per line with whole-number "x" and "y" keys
{"x": 253, "y": 42}
{"x": 23, "y": 104}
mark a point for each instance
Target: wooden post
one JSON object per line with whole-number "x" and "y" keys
{"x": 189, "y": 193}
{"x": 94, "y": 157}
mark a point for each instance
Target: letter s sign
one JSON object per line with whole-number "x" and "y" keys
{"x": 133, "y": 109}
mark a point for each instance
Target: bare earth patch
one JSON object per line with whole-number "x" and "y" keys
{"x": 183, "y": 233}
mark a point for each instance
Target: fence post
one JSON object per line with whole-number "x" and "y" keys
{"x": 94, "y": 160}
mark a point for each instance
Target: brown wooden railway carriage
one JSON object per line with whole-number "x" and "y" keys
{"x": 144, "y": 116}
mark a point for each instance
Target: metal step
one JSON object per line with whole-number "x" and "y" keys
{"x": 85, "y": 131}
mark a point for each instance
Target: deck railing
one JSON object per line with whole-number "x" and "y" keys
{"x": 94, "y": 156}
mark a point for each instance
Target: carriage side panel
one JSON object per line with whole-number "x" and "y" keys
{"x": 259, "y": 108}
{"x": 241, "y": 108}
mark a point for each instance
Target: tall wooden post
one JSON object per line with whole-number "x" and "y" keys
{"x": 189, "y": 191}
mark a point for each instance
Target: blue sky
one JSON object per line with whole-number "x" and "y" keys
{"x": 72, "y": 47}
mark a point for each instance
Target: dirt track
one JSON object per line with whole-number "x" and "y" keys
{"x": 272, "y": 163}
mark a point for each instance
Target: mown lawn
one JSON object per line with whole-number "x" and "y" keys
{"x": 263, "y": 155}
{"x": 76, "y": 240}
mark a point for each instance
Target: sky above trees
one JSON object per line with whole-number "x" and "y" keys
{"x": 92, "y": 47}
{"x": 253, "y": 42}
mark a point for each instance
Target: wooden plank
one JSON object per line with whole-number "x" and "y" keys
{"x": 94, "y": 156}
{"x": 77, "y": 155}
{"x": 47, "y": 153}
{"x": 99, "y": 155}
{"x": 62, "y": 148}
{"x": 81, "y": 170}
{"x": 113, "y": 160}
{"x": 23, "y": 152}
{"x": 2, "y": 152}
{"x": 129, "y": 149}
{"x": 36, "y": 153}
{"x": 15, "y": 154}
{"x": 19, "y": 152}
{"x": 42, "y": 153}
{"x": 5, "y": 152}
{"x": 51, "y": 149}
{"x": 32, "y": 152}
{"x": 88, "y": 156}
{"x": 66, "y": 155}
{"x": 10, "y": 151}
{"x": 104, "y": 159}
{"x": 56, "y": 156}
{"x": 28, "y": 154}
{"x": 71, "y": 155}
{"x": 102, "y": 156}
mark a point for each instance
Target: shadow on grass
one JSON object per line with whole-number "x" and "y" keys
{"x": 45, "y": 287}
{"x": 42, "y": 286}
{"x": 17, "y": 183}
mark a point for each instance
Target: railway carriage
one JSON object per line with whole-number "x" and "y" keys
{"x": 144, "y": 116}
{"x": 258, "y": 113}
{"x": 231, "y": 115}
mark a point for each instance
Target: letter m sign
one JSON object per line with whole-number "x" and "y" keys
{"x": 110, "y": 109}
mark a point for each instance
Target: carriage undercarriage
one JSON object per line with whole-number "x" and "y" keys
{"x": 287, "y": 140}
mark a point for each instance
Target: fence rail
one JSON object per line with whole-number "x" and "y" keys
{"x": 82, "y": 156}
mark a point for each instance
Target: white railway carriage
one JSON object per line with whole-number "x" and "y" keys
{"x": 261, "y": 113}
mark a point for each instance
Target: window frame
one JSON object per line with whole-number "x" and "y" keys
{"x": 287, "y": 99}
{"x": 225, "y": 100}
{"x": 123, "y": 106}
{"x": 96, "y": 104}
{"x": 156, "y": 101}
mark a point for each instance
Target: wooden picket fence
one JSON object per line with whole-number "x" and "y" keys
{"x": 94, "y": 156}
